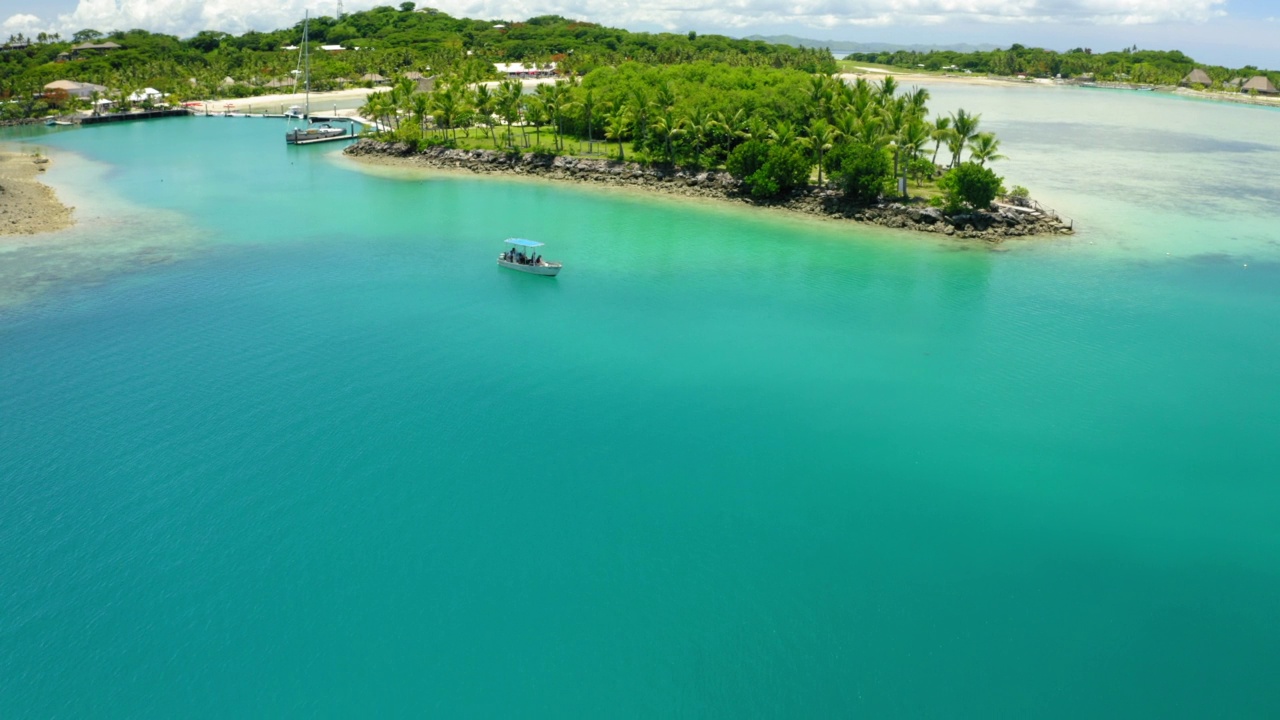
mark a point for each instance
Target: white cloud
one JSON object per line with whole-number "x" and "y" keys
{"x": 23, "y": 23}
{"x": 186, "y": 17}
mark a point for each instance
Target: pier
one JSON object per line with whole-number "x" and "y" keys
{"x": 123, "y": 117}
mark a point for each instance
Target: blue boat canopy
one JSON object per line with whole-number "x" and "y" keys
{"x": 524, "y": 243}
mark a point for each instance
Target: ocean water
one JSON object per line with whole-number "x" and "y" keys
{"x": 280, "y": 439}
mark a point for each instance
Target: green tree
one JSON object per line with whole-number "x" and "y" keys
{"x": 769, "y": 170}
{"x": 616, "y": 129}
{"x": 747, "y": 158}
{"x": 819, "y": 139}
{"x": 985, "y": 147}
{"x": 969, "y": 185}
{"x": 864, "y": 172}
{"x": 941, "y": 133}
{"x": 963, "y": 127}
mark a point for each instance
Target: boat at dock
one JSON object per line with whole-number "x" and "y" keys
{"x": 312, "y": 132}
{"x": 517, "y": 259}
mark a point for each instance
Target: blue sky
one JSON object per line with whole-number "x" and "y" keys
{"x": 1230, "y": 32}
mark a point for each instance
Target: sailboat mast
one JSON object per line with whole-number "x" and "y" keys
{"x": 306, "y": 54}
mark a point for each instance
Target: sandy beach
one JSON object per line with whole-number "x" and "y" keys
{"x": 281, "y": 101}
{"x": 27, "y": 206}
{"x": 322, "y": 102}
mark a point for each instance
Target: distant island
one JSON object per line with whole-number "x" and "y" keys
{"x": 848, "y": 46}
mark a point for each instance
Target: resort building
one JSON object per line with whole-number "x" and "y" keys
{"x": 75, "y": 89}
{"x": 374, "y": 78}
{"x": 93, "y": 48}
{"x": 1197, "y": 77}
{"x": 1260, "y": 84}
{"x": 422, "y": 83}
{"x": 145, "y": 95}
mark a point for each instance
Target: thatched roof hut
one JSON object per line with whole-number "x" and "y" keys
{"x": 1197, "y": 77}
{"x": 1262, "y": 84}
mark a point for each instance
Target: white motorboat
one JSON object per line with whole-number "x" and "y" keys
{"x": 316, "y": 133}
{"x": 529, "y": 262}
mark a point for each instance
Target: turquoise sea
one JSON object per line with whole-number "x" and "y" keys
{"x": 278, "y": 438}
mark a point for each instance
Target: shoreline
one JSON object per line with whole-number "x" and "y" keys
{"x": 991, "y": 226}
{"x": 28, "y": 206}
{"x": 919, "y": 78}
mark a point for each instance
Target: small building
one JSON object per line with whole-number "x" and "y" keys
{"x": 84, "y": 48}
{"x": 374, "y": 78}
{"x": 1197, "y": 77}
{"x": 145, "y": 95}
{"x": 1260, "y": 84}
{"x": 74, "y": 89}
{"x": 422, "y": 83}
{"x": 333, "y": 48}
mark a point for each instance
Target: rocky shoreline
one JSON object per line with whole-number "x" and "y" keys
{"x": 992, "y": 226}
{"x": 27, "y": 206}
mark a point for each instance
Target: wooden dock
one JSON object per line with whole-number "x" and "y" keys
{"x": 144, "y": 115}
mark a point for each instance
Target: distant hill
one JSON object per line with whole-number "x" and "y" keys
{"x": 845, "y": 46}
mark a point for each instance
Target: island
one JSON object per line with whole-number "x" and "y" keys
{"x": 775, "y": 137}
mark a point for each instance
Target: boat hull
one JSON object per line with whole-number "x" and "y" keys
{"x": 547, "y": 269}
{"x": 307, "y": 137}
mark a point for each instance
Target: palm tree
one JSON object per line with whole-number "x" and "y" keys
{"x": 820, "y": 138}
{"x": 964, "y": 127}
{"x": 985, "y": 147}
{"x": 665, "y": 98}
{"x": 888, "y": 88}
{"x": 941, "y": 133}
{"x": 616, "y": 128}
{"x": 896, "y": 115}
{"x": 700, "y": 124}
{"x": 535, "y": 112}
{"x": 918, "y": 99}
{"x": 667, "y": 128}
{"x": 639, "y": 110}
{"x": 555, "y": 99}
{"x": 421, "y": 106}
{"x": 756, "y": 129}
{"x": 449, "y": 106}
{"x": 913, "y": 139}
{"x": 509, "y": 94}
{"x": 783, "y": 134}
{"x": 588, "y": 106}
{"x": 483, "y": 101}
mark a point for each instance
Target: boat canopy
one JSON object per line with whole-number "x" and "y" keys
{"x": 524, "y": 243}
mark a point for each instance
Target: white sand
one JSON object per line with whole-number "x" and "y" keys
{"x": 282, "y": 101}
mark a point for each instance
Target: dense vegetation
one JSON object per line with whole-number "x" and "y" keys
{"x": 771, "y": 128}
{"x": 770, "y": 114}
{"x": 391, "y": 41}
{"x": 1154, "y": 67}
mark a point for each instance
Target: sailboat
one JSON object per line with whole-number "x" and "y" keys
{"x": 312, "y": 133}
